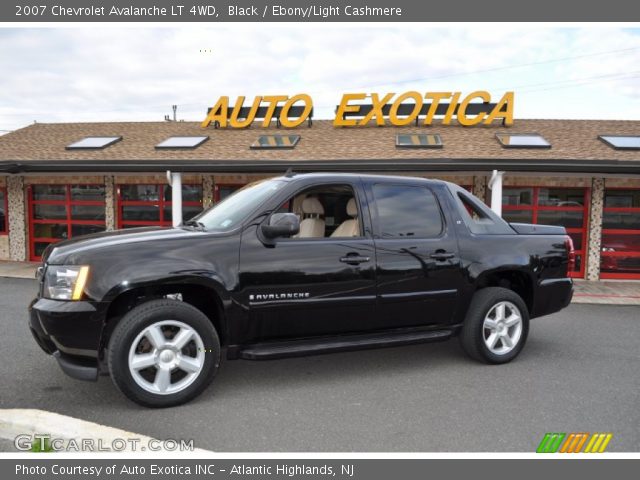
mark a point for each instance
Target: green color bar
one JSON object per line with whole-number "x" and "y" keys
{"x": 550, "y": 443}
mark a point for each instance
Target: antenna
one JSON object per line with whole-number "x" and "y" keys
{"x": 289, "y": 173}
{"x": 167, "y": 118}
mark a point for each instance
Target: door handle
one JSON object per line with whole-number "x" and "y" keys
{"x": 354, "y": 259}
{"x": 442, "y": 256}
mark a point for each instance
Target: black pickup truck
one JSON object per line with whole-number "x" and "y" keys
{"x": 297, "y": 265}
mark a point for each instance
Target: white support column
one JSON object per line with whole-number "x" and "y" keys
{"x": 175, "y": 180}
{"x": 495, "y": 184}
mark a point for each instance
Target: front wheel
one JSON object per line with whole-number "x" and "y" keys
{"x": 163, "y": 353}
{"x": 496, "y": 327}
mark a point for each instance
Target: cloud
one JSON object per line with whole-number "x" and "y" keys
{"x": 124, "y": 73}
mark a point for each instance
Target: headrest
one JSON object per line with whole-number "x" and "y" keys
{"x": 352, "y": 208}
{"x": 312, "y": 205}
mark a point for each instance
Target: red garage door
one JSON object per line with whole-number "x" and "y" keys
{"x": 150, "y": 204}
{"x": 58, "y": 212}
{"x": 567, "y": 207}
{"x": 620, "y": 255}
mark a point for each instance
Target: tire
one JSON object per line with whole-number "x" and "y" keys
{"x": 163, "y": 353}
{"x": 483, "y": 321}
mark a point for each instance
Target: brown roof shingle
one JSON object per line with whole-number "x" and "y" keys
{"x": 570, "y": 139}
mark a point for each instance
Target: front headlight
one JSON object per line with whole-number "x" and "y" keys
{"x": 65, "y": 282}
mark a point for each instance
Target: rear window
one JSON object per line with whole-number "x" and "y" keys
{"x": 407, "y": 212}
{"x": 478, "y": 216}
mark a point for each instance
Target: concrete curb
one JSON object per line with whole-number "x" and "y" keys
{"x": 11, "y": 269}
{"x": 21, "y": 421}
{"x": 618, "y": 300}
{"x": 28, "y": 275}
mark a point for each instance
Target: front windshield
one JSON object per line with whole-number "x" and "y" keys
{"x": 233, "y": 210}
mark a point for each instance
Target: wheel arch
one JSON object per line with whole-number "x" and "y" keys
{"x": 203, "y": 295}
{"x": 518, "y": 281}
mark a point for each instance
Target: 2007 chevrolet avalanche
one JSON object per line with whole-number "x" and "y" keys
{"x": 296, "y": 265}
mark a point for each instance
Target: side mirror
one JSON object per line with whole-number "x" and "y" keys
{"x": 281, "y": 225}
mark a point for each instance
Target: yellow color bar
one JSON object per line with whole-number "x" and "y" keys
{"x": 598, "y": 442}
{"x": 591, "y": 442}
{"x": 596, "y": 445}
{"x": 606, "y": 441}
{"x": 80, "y": 283}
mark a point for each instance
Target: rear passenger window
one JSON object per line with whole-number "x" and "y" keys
{"x": 407, "y": 211}
{"x": 479, "y": 218}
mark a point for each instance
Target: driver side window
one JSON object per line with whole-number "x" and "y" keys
{"x": 328, "y": 211}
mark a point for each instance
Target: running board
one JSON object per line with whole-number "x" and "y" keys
{"x": 315, "y": 346}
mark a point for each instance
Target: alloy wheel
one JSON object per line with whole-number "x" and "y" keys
{"x": 166, "y": 357}
{"x": 502, "y": 328}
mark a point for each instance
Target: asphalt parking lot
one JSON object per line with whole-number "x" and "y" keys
{"x": 580, "y": 372}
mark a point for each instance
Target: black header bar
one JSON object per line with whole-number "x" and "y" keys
{"x": 220, "y": 11}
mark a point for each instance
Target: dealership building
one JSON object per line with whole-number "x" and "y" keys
{"x": 62, "y": 180}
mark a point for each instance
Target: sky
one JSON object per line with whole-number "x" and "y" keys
{"x": 136, "y": 73}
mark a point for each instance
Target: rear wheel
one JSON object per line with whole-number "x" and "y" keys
{"x": 163, "y": 353}
{"x": 496, "y": 327}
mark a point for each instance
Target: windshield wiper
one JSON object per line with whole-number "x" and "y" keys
{"x": 194, "y": 223}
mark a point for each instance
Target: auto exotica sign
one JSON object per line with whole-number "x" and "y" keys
{"x": 359, "y": 109}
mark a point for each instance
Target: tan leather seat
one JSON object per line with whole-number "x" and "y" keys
{"x": 312, "y": 226}
{"x": 351, "y": 227}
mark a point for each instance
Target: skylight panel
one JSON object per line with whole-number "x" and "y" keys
{"x": 522, "y": 140}
{"x": 182, "y": 142}
{"x": 93, "y": 143}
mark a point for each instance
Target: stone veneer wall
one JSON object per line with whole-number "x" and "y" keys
{"x": 110, "y": 203}
{"x": 63, "y": 180}
{"x": 480, "y": 187}
{"x": 4, "y": 247}
{"x": 462, "y": 180}
{"x": 240, "y": 179}
{"x": 207, "y": 191}
{"x": 629, "y": 182}
{"x": 595, "y": 229}
{"x": 17, "y": 218}
{"x": 158, "y": 178}
{"x": 243, "y": 179}
{"x": 511, "y": 180}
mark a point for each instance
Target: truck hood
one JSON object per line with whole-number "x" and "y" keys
{"x": 57, "y": 253}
